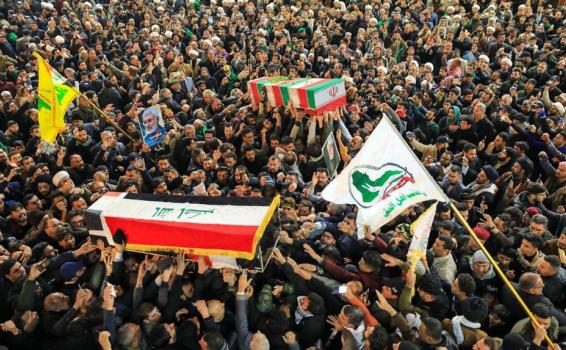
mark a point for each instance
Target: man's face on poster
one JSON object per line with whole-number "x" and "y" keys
{"x": 330, "y": 150}
{"x": 150, "y": 122}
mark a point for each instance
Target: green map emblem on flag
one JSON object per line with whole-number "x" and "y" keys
{"x": 384, "y": 179}
{"x": 369, "y": 184}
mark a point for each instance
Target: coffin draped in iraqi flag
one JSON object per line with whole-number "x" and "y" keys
{"x": 209, "y": 226}
{"x": 314, "y": 95}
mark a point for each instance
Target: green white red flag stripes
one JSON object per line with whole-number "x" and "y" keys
{"x": 315, "y": 96}
{"x": 209, "y": 226}
{"x": 256, "y": 86}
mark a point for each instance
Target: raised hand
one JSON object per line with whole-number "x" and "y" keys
{"x": 290, "y": 338}
{"x": 108, "y": 296}
{"x": 384, "y": 304}
{"x": 36, "y": 270}
{"x": 243, "y": 282}
{"x": 181, "y": 264}
{"x": 202, "y": 308}
{"x": 278, "y": 257}
{"x": 310, "y": 251}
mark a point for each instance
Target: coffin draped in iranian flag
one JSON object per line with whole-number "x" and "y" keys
{"x": 209, "y": 226}
{"x": 314, "y": 95}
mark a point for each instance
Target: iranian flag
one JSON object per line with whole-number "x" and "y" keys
{"x": 278, "y": 93}
{"x": 383, "y": 179}
{"x": 256, "y": 86}
{"x": 221, "y": 228}
{"x": 317, "y": 96}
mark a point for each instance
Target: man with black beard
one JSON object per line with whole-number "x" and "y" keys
{"x": 81, "y": 144}
{"x": 18, "y": 223}
{"x": 79, "y": 171}
{"x": 512, "y": 183}
{"x": 452, "y": 183}
{"x": 505, "y": 159}
{"x": 440, "y": 168}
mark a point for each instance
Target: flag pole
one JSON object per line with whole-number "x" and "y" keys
{"x": 112, "y": 122}
{"x": 108, "y": 119}
{"x": 499, "y": 271}
{"x": 482, "y": 247}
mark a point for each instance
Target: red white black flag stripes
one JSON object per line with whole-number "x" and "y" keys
{"x": 210, "y": 226}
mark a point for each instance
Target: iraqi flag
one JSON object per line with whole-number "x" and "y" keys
{"x": 229, "y": 227}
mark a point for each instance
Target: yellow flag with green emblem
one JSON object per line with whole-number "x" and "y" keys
{"x": 53, "y": 101}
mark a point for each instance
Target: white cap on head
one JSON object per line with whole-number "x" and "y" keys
{"x": 559, "y": 107}
{"x": 484, "y": 58}
{"x": 507, "y": 61}
{"x": 60, "y": 176}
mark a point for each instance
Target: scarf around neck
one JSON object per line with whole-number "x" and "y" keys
{"x": 457, "y": 323}
{"x": 300, "y": 313}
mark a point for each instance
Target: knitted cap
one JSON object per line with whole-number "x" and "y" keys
{"x": 69, "y": 269}
{"x": 482, "y": 233}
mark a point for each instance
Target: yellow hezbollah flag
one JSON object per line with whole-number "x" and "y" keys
{"x": 54, "y": 99}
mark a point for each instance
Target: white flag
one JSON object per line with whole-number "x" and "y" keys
{"x": 383, "y": 179}
{"x": 421, "y": 230}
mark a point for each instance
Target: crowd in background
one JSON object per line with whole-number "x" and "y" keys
{"x": 476, "y": 87}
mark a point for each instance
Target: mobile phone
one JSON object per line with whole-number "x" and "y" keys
{"x": 139, "y": 162}
{"x": 43, "y": 266}
{"x": 340, "y": 289}
{"x": 479, "y": 211}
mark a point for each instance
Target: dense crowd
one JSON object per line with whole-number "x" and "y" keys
{"x": 475, "y": 87}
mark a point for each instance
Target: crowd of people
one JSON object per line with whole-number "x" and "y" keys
{"x": 476, "y": 87}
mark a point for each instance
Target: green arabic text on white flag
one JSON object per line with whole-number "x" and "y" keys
{"x": 383, "y": 179}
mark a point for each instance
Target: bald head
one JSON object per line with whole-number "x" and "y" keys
{"x": 529, "y": 283}
{"x": 259, "y": 342}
